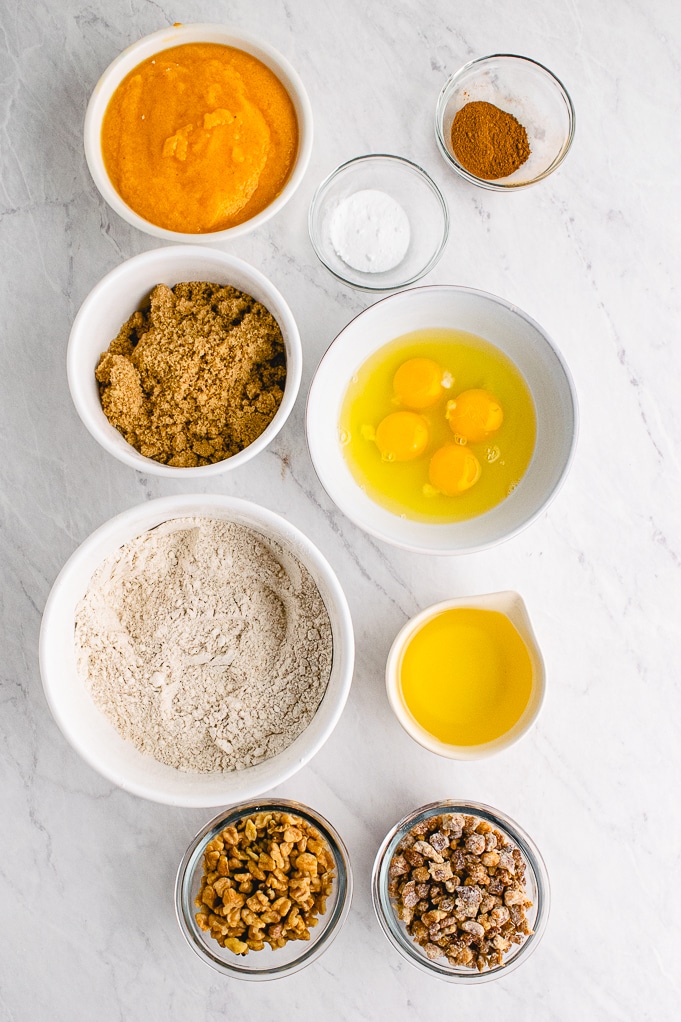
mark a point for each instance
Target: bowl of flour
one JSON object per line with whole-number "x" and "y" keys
{"x": 378, "y": 222}
{"x": 196, "y": 650}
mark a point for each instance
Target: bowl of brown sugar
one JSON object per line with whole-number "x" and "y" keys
{"x": 184, "y": 361}
{"x": 504, "y": 122}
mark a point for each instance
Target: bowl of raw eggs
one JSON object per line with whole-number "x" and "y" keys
{"x": 442, "y": 419}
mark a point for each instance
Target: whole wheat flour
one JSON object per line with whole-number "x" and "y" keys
{"x": 205, "y": 644}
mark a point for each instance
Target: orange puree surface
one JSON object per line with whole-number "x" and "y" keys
{"x": 199, "y": 138}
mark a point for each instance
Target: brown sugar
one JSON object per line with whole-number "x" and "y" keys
{"x": 488, "y": 142}
{"x": 196, "y": 377}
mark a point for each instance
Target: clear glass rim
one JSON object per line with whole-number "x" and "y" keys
{"x": 184, "y": 906}
{"x": 386, "y": 914}
{"x": 443, "y": 99}
{"x": 326, "y": 183}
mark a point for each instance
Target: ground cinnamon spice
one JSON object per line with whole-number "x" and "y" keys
{"x": 487, "y": 141}
{"x": 195, "y": 377}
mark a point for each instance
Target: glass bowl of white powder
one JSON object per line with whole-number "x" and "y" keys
{"x": 196, "y": 650}
{"x": 267, "y": 963}
{"x": 378, "y": 223}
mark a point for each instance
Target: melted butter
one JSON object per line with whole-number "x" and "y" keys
{"x": 466, "y": 676}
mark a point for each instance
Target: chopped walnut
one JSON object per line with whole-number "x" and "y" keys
{"x": 458, "y": 886}
{"x": 266, "y": 881}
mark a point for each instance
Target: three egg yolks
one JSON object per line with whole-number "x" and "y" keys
{"x": 473, "y": 416}
{"x": 437, "y": 425}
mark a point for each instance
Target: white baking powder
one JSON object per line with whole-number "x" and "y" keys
{"x": 370, "y": 231}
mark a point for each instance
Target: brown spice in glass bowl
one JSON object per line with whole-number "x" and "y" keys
{"x": 196, "y": 377}
{"x": 487, "y": 141}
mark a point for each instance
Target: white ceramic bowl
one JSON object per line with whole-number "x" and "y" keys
{"x": 518, "y": 337}
{"x": 178, "y": 35}
{"x": 513, "y": 606}
{"x": 89, "y": 731}
{"x": 120, "y": 293}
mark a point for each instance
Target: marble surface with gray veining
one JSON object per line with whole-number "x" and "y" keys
{"x": 86, "y": 870}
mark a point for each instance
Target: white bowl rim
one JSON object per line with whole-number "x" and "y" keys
{"x": 132, "y": 457}
{"x": 346, "y": 507}
{"x": 177, "y": 507}
{"x": 277, "y": 62}
{"x": 511, "y": 604}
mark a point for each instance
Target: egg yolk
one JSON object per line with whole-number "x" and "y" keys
{"x": 475, "y": 415}
{"x": 418, "y": 382}
{"x": 453, "y": 470}
{"x": 402, "y": 436}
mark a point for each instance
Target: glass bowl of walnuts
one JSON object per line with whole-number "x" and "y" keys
{"x": 461, "y": 891}
{"x": 263, "y": 889}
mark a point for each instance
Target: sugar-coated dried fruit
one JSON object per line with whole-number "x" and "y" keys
{"x": 475, "y": 843}
{"x": 458, "y": 885}
{"x": 439, "y": 841}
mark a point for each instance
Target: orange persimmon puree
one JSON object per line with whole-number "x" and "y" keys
{"x": 199, "y": 138}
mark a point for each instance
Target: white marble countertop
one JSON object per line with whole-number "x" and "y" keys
{"x": 86, "y": 870}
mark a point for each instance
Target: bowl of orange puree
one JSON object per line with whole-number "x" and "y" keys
{"x": 198, "y": 132}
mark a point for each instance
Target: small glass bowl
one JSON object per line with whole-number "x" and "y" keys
{"x": 265, "y": 964}
{"x": 536, "y": 879}
{"x": 521, "y": 87}
{"x": 412, "y": 189}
